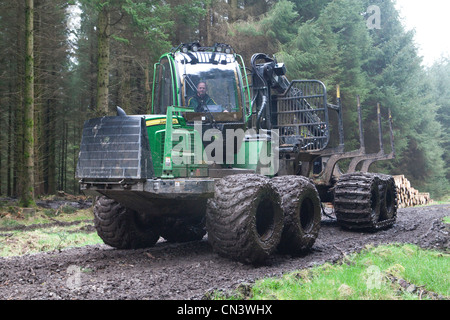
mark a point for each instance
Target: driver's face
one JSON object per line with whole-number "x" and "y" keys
{"x": 201, "y": 89}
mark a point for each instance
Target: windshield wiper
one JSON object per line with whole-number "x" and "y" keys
{"x": 191, "y": 85}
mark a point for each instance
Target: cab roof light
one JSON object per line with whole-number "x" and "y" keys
{"x": 196, "y": 47}
{"x": 222, "y": 47}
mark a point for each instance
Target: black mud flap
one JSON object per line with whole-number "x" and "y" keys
{"x": 113, "y": 149}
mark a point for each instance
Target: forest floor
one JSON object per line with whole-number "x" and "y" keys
{"x": 191, "y": 271}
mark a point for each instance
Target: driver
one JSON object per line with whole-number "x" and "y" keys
{"x": 201, "y": 99}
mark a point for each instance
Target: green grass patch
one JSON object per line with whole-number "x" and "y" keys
{"x": 43, "y": 231}
{"x": 376, "y": 273}
{"x": 56, "y": 238}
{"x": 43, "y": 216}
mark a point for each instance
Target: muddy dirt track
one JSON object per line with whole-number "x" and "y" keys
{"x": 190, "y": 270}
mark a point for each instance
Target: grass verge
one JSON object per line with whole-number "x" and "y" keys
{"x": 46, "y": 230}
{"x": 392, "y": 272}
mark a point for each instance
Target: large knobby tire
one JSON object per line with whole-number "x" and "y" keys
{"x": 365, "y": 201}
{"x": 244, "y": 220}
{"x": 302, "y": 213}
{"x": 388, "y": 202}
{"x": 121, "y": 227}
{"x": 357, "y": 201}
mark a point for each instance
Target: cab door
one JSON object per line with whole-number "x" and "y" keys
{"x": 164, "y": 86}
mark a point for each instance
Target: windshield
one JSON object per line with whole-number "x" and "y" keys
{"x": 214, "y": 86}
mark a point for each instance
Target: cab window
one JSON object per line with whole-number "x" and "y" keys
{"x": 221, "y": 83}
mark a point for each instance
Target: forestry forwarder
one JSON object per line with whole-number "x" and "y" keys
{"x": 250, "y": 171}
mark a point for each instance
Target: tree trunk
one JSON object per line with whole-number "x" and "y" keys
{"x": 233, "y": 16}
{"x": 49, "y": 147}
{"x": 9, "y": 168}
{"x": 18, "y": 103}
{"x": 103, "y": 62}
{"x": 39, "y": 89}
{"x": 124, "y": 88}
{"x": 148, "y": 89}
{"x": 27, "y": 176}
{"x": 209, "y": 23}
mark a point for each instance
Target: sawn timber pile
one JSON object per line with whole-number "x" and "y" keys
{"x": 408, "y": 196}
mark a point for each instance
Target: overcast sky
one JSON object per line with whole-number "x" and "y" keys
{"x": 431, "y": 21}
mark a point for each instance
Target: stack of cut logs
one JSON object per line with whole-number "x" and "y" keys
{"x": 407, "y": 195}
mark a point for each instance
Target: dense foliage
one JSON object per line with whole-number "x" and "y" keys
{"x": 85, "y": 69}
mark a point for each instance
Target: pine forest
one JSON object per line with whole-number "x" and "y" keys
{"x": 63, "y": 62}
